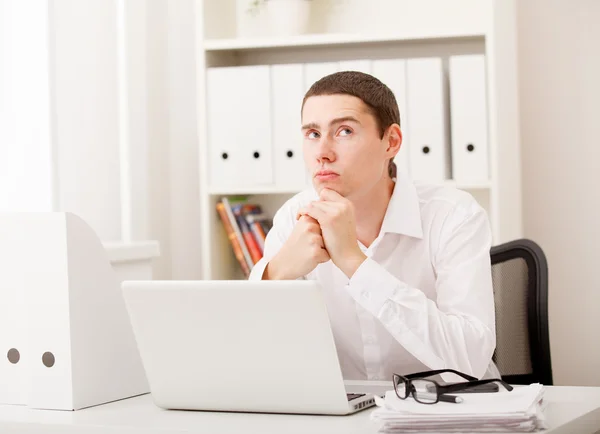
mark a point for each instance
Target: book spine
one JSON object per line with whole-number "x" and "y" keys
{"x": 238, "y": 232}
{"x": 251, "y": 243}
{"x": 257, "y": 230}
{"x": 237, "y": 249}
{"x": 255, "y": 215}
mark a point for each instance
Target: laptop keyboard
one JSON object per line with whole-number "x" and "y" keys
{"x": 352, "y": 396}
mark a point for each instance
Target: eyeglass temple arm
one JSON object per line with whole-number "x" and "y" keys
{"x": 440, "y": 371}
{"x": 462, "y": 386}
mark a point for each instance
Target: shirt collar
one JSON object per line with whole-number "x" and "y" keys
{"x": 403, "y": 214}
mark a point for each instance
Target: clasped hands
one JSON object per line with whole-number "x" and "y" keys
{"x": 326, "y": 229}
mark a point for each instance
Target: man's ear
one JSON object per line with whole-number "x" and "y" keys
{"x": 394, "y": 140}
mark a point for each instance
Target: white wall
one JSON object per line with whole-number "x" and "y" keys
{"x": 173, "y": 178}
{"x": 85, "y": 111}
{"x": 183, "y": 141}
{"x": 133, "y": 108}
{"x": 559, "y": 68}
{"x": 25, "y": 143}
{"x": 159, "y": 177}
{"x": 97, "y": 117}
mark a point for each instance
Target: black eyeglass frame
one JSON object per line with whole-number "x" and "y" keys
{"x": 440, "y": 389}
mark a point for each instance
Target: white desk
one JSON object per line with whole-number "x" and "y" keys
{"x": 571, "y": 410}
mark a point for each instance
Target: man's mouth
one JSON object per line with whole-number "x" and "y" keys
{"x": 326, "y": 175}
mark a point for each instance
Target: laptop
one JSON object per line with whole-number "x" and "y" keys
{"x": 239, "y": 346}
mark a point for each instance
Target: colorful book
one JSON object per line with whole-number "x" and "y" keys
{"x": 247, "y": 227}
{"x": 251, "y": 242}
{"x": 236, "y": 228}
{"x": 233, "y": 239}
{"x": 257, "y": 222}
{"x": 257, "y": 230}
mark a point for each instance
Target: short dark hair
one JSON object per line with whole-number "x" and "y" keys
{"x": 378, "y": 98}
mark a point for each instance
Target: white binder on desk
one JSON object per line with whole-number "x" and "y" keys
{"x": 78, "y": 345}
{"x": 428, "y": 142}
{"x": 392, "y": 73}
{"x": 287, "y": 92}
{"x": 13, "y": 314}
{"x": 468, "y": 114}
{"x": 239, "y": 126}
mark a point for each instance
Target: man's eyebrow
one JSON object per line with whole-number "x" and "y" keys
{"x": 310, "y": 126}
{"x": 314, "y": 125}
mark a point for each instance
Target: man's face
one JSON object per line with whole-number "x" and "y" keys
{"x": 342, "y": 147}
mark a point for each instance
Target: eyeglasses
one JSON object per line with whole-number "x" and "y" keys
{"x": 430, "y": 391}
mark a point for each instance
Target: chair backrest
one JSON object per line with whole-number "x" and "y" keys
{"x": 520, "y": 280}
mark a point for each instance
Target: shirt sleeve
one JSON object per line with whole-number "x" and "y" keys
{"x": 457, "y": 330}
{"x": 283, "y": 224}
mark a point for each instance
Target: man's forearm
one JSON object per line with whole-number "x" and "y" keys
{"x": 267, "y": 274}
{"x": 351, "y": 262}
{"x": 273, "y": 271}
{"x": 460, "y": 335}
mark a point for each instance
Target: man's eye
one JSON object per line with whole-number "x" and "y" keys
{"x": 345, "y": 132}
{"x": 313, "y": 135}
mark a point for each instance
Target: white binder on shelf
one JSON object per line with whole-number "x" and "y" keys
{"x": 392, "y": 72}
{"x": 315, "y": 71}
{"x": 427, "y": 119}
{"x": 360, "y": 65}
{"x": 78, "y": 348}
{"x": 238, "y": 110}
{"x": 287, "y": 92}
{"x": 468, "y": 114}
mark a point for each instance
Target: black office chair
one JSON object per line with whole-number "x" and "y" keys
{"x": 520, "y": 280}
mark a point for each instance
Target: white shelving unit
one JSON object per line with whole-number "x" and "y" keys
{"x": 329, "y": 40}
{"x": 426, "y": 28}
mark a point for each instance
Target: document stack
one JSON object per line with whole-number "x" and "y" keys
{"x": 520, "y": 410}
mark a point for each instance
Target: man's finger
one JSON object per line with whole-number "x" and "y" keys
{"x": 331, "y": 195}
{"x": 324, "y": 256}
{"x": 315, "y": 212}
{"x": 320, "y": 241}
{"x": 308, "y": 219}
{"x": 327, "y": 207}
{"x": 302, "y": 215}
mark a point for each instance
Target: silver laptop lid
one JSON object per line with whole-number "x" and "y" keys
{"x": 237, "y": 345}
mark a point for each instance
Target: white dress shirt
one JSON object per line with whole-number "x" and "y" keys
{"x": 423, "y": 298}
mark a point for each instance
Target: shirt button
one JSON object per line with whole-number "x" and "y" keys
{"x": 366, "y": 295}
{"x": 376, "y": 377}
{"x": 370, "y": 340}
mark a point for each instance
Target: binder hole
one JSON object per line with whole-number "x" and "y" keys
{"x": 256, "y": 155}
{"x": 13, "y": 356}
{"x": 426, "y": 149}
{"x": 470, "y": 147}
{"x": 224, "y": 156}
{"x": 48, "y": 359}
{"x": 290, "y": 154}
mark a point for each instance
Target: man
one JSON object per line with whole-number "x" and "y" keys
{"x": 405, "y": 267}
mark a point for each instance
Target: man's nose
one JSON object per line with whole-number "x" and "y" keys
{"x": 325, "y": 150}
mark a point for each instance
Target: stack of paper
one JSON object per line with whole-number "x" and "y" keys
{"x": 520, "y": 410}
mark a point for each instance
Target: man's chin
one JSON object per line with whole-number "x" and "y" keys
{"x": 337, "y": 188}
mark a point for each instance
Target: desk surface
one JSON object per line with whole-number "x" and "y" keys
{"x": 570, "y": 410}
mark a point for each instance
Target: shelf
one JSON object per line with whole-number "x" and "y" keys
{"x": 240, "y": 191}
{"x": 330, "y": 39}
